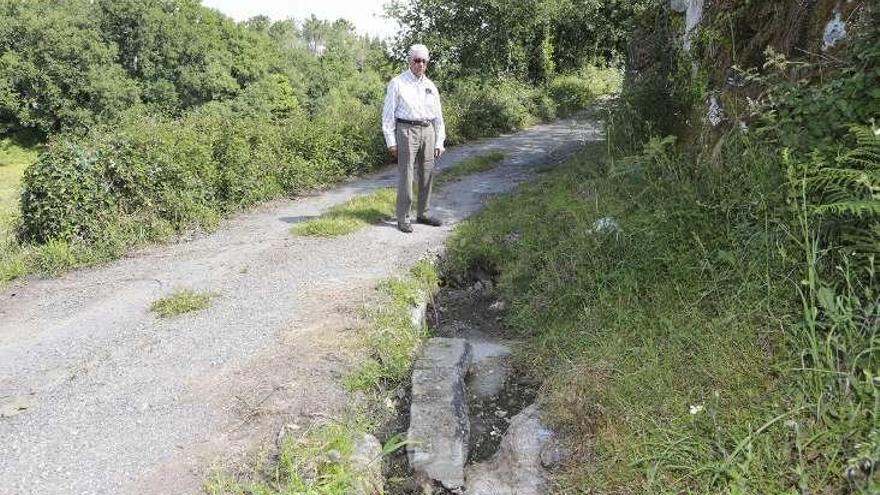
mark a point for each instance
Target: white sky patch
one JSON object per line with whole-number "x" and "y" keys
{"x": 366, "y": 15}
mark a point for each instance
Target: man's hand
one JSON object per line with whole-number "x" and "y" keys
{"x": 393, "y": 151}
{"x": 437, "y": 152}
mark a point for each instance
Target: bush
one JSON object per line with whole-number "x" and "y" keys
{"x": 577, "y": 91}
{"x": 189, "y": 171}
{"x": 481, "y": 109}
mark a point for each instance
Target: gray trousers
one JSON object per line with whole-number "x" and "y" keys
{"x": 415, "y": 152}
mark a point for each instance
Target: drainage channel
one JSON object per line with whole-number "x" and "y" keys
{"x": 467, "y": 414}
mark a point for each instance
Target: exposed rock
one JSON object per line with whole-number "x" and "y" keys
{"x": 554, "y": 455}
{"x": 516, "y": 469}
{"x": 498, "y": 306}
{"x": 366, "y": 462}
{"x": 679, "y": 6}
{"x": 482, "y": 287}
{"x": 334, "y": 456}
{"x": 489, "y": 369}
{"x": 418, "y": 315}
{"x": 835, "y": 31}
{"x": 606, "y": 225}
{"x": 715, "y": 114}
{"x": 439, "y": 428}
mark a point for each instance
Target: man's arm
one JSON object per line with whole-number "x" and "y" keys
{"x": 389, "y": 123}
{"x": 439, "y": 129}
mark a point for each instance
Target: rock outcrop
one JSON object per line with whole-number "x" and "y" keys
{"x": 517, "y": 468}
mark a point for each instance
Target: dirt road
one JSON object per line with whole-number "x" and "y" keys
{"x": 99, "y": 396}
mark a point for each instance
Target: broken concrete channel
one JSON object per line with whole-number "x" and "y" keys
{"x": 471, "y": 423}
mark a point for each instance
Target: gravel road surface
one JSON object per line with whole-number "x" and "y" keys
{"x": 99, "y": 396}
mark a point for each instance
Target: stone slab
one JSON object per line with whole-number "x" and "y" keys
{"x": 439, "y": 427}
{"x": 490, "y": 367}
{"x": 366, "y": 461}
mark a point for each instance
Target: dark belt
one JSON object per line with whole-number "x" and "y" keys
{"x": 421, "y": 123}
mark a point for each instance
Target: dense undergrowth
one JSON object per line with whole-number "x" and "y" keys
{"x": 725, "y": 338}
{"x": 672, "y": 347}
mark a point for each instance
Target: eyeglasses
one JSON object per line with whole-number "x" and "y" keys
{"x": 420, "y": 61}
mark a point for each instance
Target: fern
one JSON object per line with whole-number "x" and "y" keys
{"x": 843, "y": 195}
{"x": 857, "y": 208}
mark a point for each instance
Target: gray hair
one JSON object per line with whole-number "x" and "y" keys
{"x": 418, "y": 50}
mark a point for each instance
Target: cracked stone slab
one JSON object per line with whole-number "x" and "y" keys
{"x": 439, "y": 427}
{"x": 489, "y": 370}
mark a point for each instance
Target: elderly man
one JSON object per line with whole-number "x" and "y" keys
{"x": 412, "y": 122}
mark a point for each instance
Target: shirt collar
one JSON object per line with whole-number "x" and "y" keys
{"x": 413, "y": 77}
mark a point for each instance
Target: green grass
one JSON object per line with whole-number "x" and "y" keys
{"x": 392, "y": 340}
{"x": 350, "y": 216}
{"x": 379, "y": 206}
{"x": 182, "y": 301}
{"x": 15, "y": 156}
{"x": 667, "y": 349}
{"x": 317, "y": 461}
{"x": 471, "y": 165}
{"x": 56, "y": 257}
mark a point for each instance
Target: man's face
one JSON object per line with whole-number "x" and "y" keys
{"x": 418, "y": 65}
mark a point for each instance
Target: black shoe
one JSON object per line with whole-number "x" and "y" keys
{"x": 433, "y": 222}
{"x": 405, "y": 228}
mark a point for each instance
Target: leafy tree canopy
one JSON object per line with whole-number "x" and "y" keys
{"x": 526, "y": 39}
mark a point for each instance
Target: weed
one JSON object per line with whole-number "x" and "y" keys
{"x": 350, "y": 216}
{"x": 471, "y": 165}
{"x": 182, "y": 301}
{"x": 394, "y": 337}
{"x": 13, "y": 264}
{"x": 55, "y": 257}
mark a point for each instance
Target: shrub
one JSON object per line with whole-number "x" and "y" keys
{"x": 482, "y": 109}
{"x": 577, "y": 91}
{"x": 189, "y": 171}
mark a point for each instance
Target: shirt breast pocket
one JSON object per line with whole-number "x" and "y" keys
{"x": 432, "y": 101}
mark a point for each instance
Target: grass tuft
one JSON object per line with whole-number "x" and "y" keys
{"x": 392, "y": 340}
{"x": 182, "y": 301}
{"x": 15, "y": 156}
{"x": 471, "y": 165}
{"x": 350, "y": 216}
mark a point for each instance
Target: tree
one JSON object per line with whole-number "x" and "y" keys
{"x": 55, "y": 69}
{"x": 526, "y": 39}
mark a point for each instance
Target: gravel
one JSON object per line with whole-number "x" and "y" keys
{"x": 99, "y": 396}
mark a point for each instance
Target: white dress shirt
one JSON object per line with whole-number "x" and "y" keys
{"x": 412, "y": 98}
